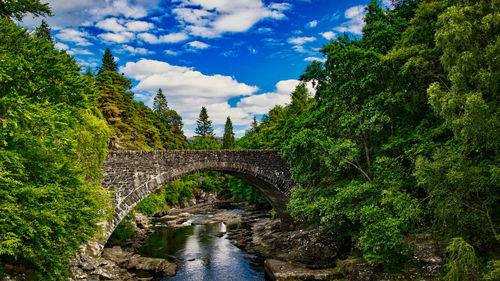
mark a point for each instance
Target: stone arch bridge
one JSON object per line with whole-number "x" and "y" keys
{"x": 133, "y": 175}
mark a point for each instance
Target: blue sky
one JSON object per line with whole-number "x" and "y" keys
{"x": 238, "y": 58}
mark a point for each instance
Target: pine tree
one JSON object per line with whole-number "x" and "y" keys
{"x": 204, "y": 128}
{"x": 108, "y": 62}
{"x": 43, "y": 31}
{"x": 228, "y": 139}
{"x": 254, "y": 124}
{"x": 15, "y": 9}
{"x": 160, "y": 104}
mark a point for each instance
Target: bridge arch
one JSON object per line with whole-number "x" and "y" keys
{"x": 134, "y": 175}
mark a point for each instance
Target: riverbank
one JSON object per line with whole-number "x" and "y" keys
{"x": 319, "y": 255}
{"x": 290, "y": 255}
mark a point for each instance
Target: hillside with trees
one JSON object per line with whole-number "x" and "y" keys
{"x": 135, "y": 126}
{"x": 402, "y": 135}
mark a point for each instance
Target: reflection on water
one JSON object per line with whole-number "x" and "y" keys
{"x": 202, "y": 254}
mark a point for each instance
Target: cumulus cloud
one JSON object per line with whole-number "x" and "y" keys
{"x": 166, "y": 38}
{"x": 261, "y": 104}
{"x": 315, "y": 59}
{"x": 138, "y": 26}
{"x": 197, "y": 45}
{"x": 355, "y": 23}
{"x": 299, "y": 42}
{"x": 210, "y": 19}
{"x": 171, "y": 53}
{"x": 136, "y": 51}
{"x": 121, "y": 37}
{"x": 187, "y": 90}
{"x": 264, "y": 30}
{"x": 312, "y": 24}
{"x": 75, "y": 36}
{"x": 328, "y": 35}
{"x": 85, "y": 12}
{"x": 81, "y": 51}
{"x": 110, "y": 24}
{"x": 61, "y": 46}
{"x": 120, "y": 7}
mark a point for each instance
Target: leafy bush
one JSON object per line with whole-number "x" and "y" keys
{"x": 152, "y": 204}
{"x": 125, "y": 230}
{"x": 462, "y": 262}
{"x": 243, "y": 192}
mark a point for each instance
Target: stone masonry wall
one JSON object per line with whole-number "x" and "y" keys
{"x": 133, "y": 175}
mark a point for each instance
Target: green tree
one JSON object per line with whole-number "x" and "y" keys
{"x": 228, "y": 139}
{"x": 204, "y": 125}
{"x": 254, "y": 124}
{"x": 17, "y": 9}
{"x": 160, "y": 104}
{"x": 461, "y": 174}
{"x": 52, "y": 146}
{"x": 108, "y": 62}
{"x": 43, "y": 31}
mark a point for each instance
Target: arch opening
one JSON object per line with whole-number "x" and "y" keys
{"x": 135, "y": 175}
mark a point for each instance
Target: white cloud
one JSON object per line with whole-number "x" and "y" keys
{"x": 312, "y": 24}
{"x": 270, "y": 42}
{"x": 261, "y": 104}
{"x": 198, "y": 45}
{"x": 187, "y": 90}
{"x": 61, "y": 46}
{"x": 120, "y": 7}
{"x": 264, "y": 30}
{"x": 81, "y": 51}
{"x": 315, "y": 58}
{"x": 171, "y": 53}
{"x": 138, "y": 26}
{"x": 167, "y": 38}
{"x": 299, "y": 42}
{"x": 121, "y": 37}
{"x": 252, "y": 50}
{"x": 111, "y": 24}
{"x": 73, "y": 35}
{"x": 355, "y": 23}
{"x": 388, "y": 4}
{"x": 136, "y": 51}
{"x": 211, "y": 19}
{"x": 281, "y": 6}
{"x": 86, "y": 12}
{"x": 328, "y": 35}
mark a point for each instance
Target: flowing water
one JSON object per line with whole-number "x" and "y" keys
{"x": 202, "y": 252}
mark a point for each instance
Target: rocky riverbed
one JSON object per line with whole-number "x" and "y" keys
{"x": 290, "y": 255}
{"x": 318, "y": 255}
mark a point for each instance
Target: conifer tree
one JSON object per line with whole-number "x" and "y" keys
{"x": 160, "y": 104}
{"x": 108, "y": 62}
{"x": 204, "y": 128}
{"x": 16, "y": 9}
{"x": 43, "y": 31}
{"x": 254, "y": 124}
{"x": 228, "y": 139}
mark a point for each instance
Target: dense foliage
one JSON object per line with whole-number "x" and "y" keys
{"x": 16, "y": 9}
{"x": 52, "y": 145}
{"x": 135, "y": 126}
{"x": 402, "y": 134}
{"x": 228, "y": 138}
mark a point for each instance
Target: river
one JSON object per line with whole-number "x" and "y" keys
{"x": 202, "y": 252}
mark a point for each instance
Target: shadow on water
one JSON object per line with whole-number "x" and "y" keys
{"x": 203, "y": 252}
